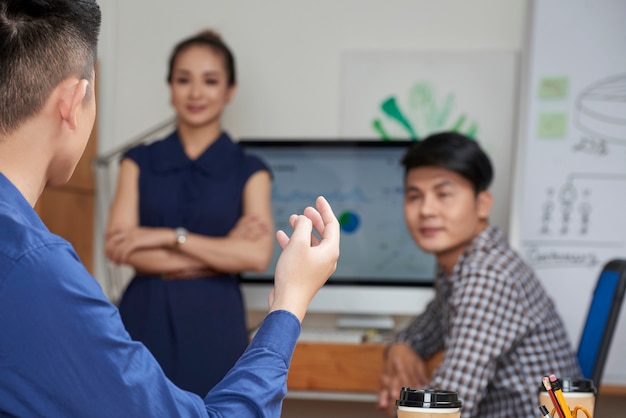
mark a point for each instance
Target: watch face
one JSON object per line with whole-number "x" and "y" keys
{"x": 181, "y": 235}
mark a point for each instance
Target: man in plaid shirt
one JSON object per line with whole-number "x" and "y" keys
{"x": 499, "y": 330}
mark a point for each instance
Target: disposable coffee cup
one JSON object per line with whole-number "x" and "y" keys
{"x": 577, "y": 392}
{"x": 424, "y": 403}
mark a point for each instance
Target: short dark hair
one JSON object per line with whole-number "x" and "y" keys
{"x": 454, "y": 152}
{"x": 42, "y": 42}
{"x": 209, "y": 39}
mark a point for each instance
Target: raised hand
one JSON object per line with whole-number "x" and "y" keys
{"x": 306, "y": 262}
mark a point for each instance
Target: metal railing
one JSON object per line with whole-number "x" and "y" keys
{"x": 111, "y": 277}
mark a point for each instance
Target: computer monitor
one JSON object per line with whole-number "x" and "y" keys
{"x": 380, "y": 268}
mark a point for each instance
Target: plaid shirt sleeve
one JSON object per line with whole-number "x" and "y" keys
{"x": 485, "y": 320}
{"x": 425, "y": 334}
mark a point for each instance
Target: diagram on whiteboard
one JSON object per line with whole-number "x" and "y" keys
{"x": 601, "y": 115}
{"x": 601, "y": 109}
{"x": 567, "y": 211}
{"x": 573, "y": 221}
{"x": 560, "y": 208}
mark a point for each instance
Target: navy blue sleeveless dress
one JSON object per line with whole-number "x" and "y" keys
{"x": 194, "y": 328}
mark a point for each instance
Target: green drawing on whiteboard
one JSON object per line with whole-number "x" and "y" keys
{"x": 553, "y": 87}
{"x": 552, "y": 125}
{"x": 425, "y": 113}
{"x": 391, "y": 109}
{"x": 380, "y": 130}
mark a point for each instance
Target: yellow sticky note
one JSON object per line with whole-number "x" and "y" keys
{"x": 553, "y": 87}
{"x": 552, "y": 125}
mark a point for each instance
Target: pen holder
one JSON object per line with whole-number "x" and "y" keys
{"x": 579, "y": 392}
{"x": 577, "y": 412}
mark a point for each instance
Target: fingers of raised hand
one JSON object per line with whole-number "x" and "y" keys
{"x": 282, "y": 238}
{"x": 330, "y": 229}
{"x": 302, "y": 228}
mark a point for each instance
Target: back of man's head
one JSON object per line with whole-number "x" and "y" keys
{"x": 42, "y": 42}
{"x": 454, "y": 152}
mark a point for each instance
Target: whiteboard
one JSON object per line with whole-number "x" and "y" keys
{"x": 570, "y": 184}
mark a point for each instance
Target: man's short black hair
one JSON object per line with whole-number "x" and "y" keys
{"x": 454, "y": 152}
{"x": 42, "y": 42}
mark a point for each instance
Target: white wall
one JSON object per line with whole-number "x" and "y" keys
{"x": 288, "y": 53}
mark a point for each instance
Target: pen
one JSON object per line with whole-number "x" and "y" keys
{"x": 556, "y": 388}
{"x": 555, "y": 402}
{"x": 544, "y": 412}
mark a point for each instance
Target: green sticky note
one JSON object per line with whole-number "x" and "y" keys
{"x": 553, "y": 87}
{"x": 552, "y": 125}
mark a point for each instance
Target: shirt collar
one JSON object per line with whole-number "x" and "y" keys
{"x": 485, "y": 241}
{"x": 489, "y": 238}
{"x": 170, "y": 155}
{"x": 20, "y": 207}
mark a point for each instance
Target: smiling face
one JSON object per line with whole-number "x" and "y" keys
{"x": 443, "y": 212}
{"x": 199, "y": 87}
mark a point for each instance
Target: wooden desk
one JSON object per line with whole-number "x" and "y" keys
{"x": 612, "y": 390}
{"x": 355, "y": 368}
{"x": 340, "y": 367}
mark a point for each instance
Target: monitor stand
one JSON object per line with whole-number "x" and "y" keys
{"x": 366, "y": 322}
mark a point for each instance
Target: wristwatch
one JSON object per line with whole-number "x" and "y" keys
{"x": 181, "y": 236}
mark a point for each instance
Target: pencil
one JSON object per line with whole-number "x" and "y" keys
{"x": 556, "y": 388}
{"x": 544, "y": 412}
{"x": 555, "y": 402}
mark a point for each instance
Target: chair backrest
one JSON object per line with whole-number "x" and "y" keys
{"x": 601, "y": 320}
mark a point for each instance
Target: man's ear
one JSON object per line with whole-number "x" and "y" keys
{"x": 485, "y": 202}
{"x": 72, "y": 94}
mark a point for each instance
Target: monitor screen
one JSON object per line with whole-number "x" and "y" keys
{"x": 363, "y": 181}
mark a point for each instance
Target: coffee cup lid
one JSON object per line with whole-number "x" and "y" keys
{"x": 427, "y": 398}
{"x": 574, "y": 385}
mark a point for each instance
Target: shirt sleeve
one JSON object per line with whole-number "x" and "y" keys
{"x": 425, "y": 334}
{"x": 133, "y": 153}
{"x": 253, "y": 164}
{"x": 257, "y": 384}
{"x": 485, "y": 320}
{"x": 65, "y": 352}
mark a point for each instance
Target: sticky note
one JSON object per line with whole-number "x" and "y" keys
{"x": 552, "y": 125}
{"x": 553, "y": 87}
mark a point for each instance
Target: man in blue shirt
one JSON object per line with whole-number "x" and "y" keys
{"x": 64, "y": 351}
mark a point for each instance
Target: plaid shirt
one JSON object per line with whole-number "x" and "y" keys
{"x": 499, "y": 330}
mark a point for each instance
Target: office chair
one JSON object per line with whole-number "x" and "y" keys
{"x": 602, "y": 317}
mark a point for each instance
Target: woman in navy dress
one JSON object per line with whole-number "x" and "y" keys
{"x": 191, "y": 211}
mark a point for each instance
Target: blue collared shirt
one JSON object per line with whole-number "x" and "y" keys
{"x": 64, "y": 351}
